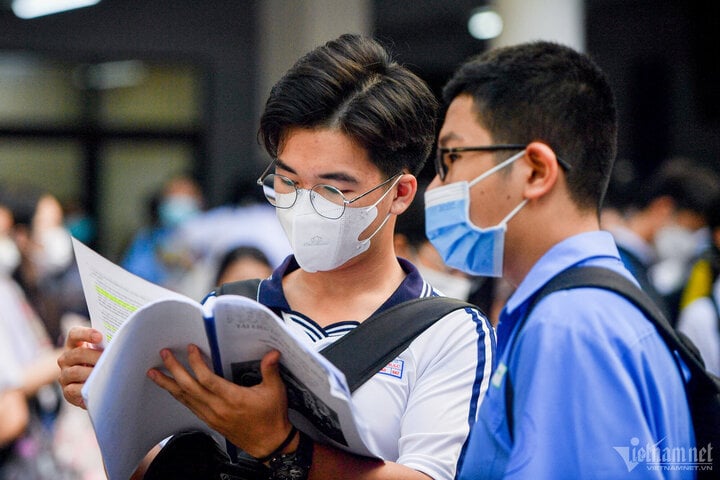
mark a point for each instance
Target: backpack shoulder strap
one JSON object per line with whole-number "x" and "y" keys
{"x": 599, "y": 277}
{"x": 604, "y": 278}
{"x": 246, "y": 288}
{"x": 363, "y": 352}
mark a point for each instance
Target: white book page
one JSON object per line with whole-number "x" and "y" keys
{"x": 111, "y": 292}
{"x": 130, "y": 414}
{"x": 318, "y": 396}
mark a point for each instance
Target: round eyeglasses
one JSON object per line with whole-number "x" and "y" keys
{"x": 326, "y": 200}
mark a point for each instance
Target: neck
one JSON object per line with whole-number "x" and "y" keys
{"x": 521, "y": 254}
{"x": 368, "y": 271}
{"x": 350, "y": 292}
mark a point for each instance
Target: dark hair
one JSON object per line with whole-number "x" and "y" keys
{"x": 691, "y": 186}
{"x": 543, "y": 91}
{"x": 353, "y": 85}
{"x": 239, "y": 253}
{"x": 411, "y": 223}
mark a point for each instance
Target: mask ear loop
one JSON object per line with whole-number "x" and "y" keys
{"x": 513, "y": 212}
{"x": 497, "y": 167}
{"x": 387, "y": 217}
{"x": 392, "y": 185}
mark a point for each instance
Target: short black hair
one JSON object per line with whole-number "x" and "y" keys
{"x": 353, "y": 85}
{"x": 411, "y": 223}
{"x": 547, "y": 92}
{"x": 238, "y": 253}
{"x": 692, "y": 186}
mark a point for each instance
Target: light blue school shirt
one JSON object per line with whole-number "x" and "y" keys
{"x": 597, "y": 394}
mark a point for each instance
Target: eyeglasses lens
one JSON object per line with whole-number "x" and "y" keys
{"x": 328, "y": 201}
{"x": 279, "y": 190}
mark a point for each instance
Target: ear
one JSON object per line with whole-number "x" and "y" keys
{"x": 405, "y": 189}
{"x": 543, "y": 170}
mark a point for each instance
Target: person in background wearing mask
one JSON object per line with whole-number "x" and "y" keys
{"x": 246, "y": 219}
{"x": 524, "y": 158}
{"x": 347, "y": 129}
{"x": 46, "y": 271}
{"x": 700, "y": 319}
{"x": 28, "y": 356}
{"x": 687, "y": 236}
{"x": 662, "y": 228}
{"x": 9, "y": 252}
{"x": 151, "y": 254}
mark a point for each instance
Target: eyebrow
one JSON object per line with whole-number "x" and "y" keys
{"x": 337, "y": 176}
{"x": 447, "y": 137}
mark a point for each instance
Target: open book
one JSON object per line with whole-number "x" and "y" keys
{"x": 130, "y": 414}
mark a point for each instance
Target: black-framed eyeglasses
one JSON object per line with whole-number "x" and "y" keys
{"x": 328, "y": 201}
{"x": 441, "y": 168}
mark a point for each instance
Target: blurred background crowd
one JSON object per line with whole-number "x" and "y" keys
{"x": 131, "y": 125}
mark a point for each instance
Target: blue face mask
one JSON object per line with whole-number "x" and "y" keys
{"x": 462, "y": 245}
{"x": 176, "y": 209}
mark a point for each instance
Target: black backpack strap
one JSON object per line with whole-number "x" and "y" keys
{"x": 604, "y": 278}
{"x": 368, "y": 348}
{"x": 246, "y": 288}
{"x": 598, "y": 277}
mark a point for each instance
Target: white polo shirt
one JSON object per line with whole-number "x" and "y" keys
{"x": 421, "y": 406}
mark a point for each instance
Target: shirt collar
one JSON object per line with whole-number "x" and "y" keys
{"x": 272, "y": 295}
{"x": 596, "y": 247}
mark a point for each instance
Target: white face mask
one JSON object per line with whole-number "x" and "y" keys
{"x": 55, "y": 251}
{"x": 675, "y": 243}
{"x": 9, "y": 255}
{"x": 322, "y": 244}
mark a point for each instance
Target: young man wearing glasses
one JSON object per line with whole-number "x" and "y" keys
{"x": 347, "y": 129}
{"x": 526, "y": 149}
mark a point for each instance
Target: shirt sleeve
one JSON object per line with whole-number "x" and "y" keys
{"x": 444, "y": 400}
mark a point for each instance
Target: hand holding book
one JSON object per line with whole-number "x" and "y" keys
{"x": 230, "y": 409}
{"x": 138, "y": 320}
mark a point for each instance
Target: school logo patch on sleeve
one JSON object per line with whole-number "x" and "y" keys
{"x": 394, "y": 368}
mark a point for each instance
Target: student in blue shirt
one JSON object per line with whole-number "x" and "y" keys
{"x": 524, "y": 158}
